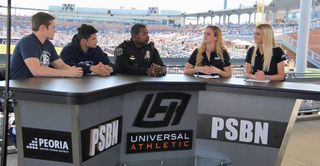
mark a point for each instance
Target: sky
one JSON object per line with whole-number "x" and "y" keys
{"x": 188, "y": 6}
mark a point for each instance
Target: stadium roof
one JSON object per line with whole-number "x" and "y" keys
{"x": 115, "y": 11}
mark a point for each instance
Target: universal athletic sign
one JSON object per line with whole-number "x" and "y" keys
{"x": 156, "y": 111}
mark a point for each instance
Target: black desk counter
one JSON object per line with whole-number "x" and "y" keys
{"x": 284, "y": 89}
{"x": 90, "y": 88}
{"x": 139, "y": 120}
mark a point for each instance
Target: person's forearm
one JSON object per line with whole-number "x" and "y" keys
{"x": 190, "y": 71}
{"x": 277, "y": 77}
{"x": 225, "y": 74}
{"x": 64, "y": 67}
{"x": 249, "y": 76}
{"x": 48, "y": 72}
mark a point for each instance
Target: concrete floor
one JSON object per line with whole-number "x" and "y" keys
{"x": 303, "y": 148}
{"x": 304, "y": 144}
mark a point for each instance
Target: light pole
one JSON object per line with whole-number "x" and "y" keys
{"x": 7, "y": 94}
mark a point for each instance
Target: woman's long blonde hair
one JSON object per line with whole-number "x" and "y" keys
{"x": 268, "y": 43}
{"x": 219, "y": 47}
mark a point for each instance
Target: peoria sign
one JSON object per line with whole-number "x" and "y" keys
{"x": 47, "y": 144}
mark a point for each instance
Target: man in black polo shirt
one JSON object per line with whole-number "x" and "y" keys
{"x": 34, "y": 53}
{"x": 137, "y": 56}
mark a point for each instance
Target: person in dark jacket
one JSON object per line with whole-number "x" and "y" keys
{"x": 84, "y": 52}
{"x": 137, "y": 56}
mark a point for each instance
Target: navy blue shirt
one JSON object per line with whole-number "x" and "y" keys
{"x": 215, "y": 60}
{"x": 277, "y": 57}
{"x": 136, "y": 60}
{"x": 73, "y": 55}
{"x": 30, "y": 47}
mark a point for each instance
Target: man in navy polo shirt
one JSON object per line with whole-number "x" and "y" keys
{"x": 34, "y": 53}
{"x": 84, "y": 52}
{"x": 137, "y": 56}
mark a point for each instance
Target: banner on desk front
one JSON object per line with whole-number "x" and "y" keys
{"x": 162, "y": 109}
{"x": 241, "y": 130}
{"x": 101, "y": 137}
{"x": 47, "y": 144}
{"x": 159, "y": 141}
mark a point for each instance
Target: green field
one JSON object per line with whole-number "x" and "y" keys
{"x": 3, "y": 49}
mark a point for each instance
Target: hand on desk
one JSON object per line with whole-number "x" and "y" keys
{"x": 259, "y": 75}
{"x": 156, "y": 70}
{"x": 101, "y": 69}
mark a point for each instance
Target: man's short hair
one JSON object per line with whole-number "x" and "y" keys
{"x": 40, "y": 18}
{"x": 135, "y": 29}
{"x": 85, "y": 31}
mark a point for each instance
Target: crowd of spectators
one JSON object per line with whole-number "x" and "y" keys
{"x": 171, "y": 41}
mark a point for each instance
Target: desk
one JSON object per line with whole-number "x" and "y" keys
{"x": 123, "y": 119}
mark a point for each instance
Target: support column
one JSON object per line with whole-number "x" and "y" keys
{"x": 211, "y": 20}
{"x": 228, "y": 20}
{"x": 303, "y": 36}
{"x": 249, "y": 18}
{"x": 219, "y": 20}
{"x": 255, "y": 18}
{"x": 239, "y": 19}
{"x": 197, "y": 20}
{"x": 266, "y": 17}
{"x": 287, "y": 16}
{"x": 274, "y": 17}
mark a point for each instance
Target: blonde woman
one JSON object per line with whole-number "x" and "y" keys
{"x": 211, "y": 58}
{"x": 265, "y": 61}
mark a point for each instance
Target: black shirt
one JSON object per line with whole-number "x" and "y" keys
{"x": 136, "y": 60}
{"x": 30, "y": 47}
{"x": 277, "y": 57}
{"x": 73, "y": 55}
{"x": 215, "y": 60}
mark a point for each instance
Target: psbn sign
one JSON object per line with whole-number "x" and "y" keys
{"x": 240, "y": 130}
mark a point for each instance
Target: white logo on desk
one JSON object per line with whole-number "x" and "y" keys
{"x": 48, "y": 145}
{"x": 104, "y": 137}
{"x": 240, "y": 130}
{"x": 101, "y": 137}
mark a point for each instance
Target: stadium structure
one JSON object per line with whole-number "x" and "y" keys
{"x": 283, "y": 15}
{"x": 69, "y": 12}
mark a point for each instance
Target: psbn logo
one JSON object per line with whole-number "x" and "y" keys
{"x": 166, "y": 106}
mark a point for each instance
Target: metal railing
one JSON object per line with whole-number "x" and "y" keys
{"x": 291, "y": 43}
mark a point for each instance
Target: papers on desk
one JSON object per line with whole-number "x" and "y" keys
{"x": 252, "y": 80}
{"x": 206, "y": 76}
